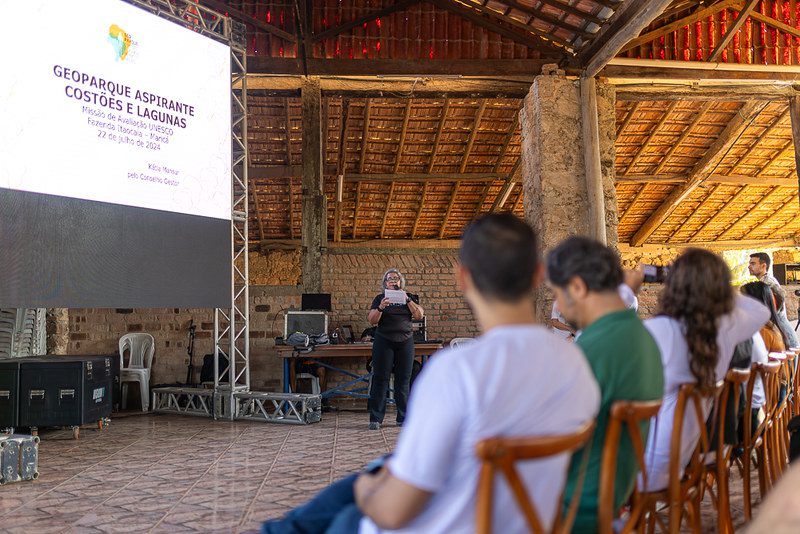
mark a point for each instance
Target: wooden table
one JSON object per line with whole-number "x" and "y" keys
{"x": 333, "y": 352}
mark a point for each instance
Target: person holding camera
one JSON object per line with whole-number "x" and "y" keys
{"x": 392, "y": 347}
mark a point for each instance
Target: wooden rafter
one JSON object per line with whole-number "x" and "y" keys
{"x": 490, "y": 20}
{"x": 482, "y": 200}
{"x": 438, "y": 136}
{"x": 732, "y": 29}
{"x": 634, "y": 201}
{"x": 290, "y": 183}
{"x": 254, "y": 192}
{"x": 628, "y": 118}
{"x": 700, "y": 206}
{"x": 731, "y": 201}
{"x": 769, "y": 21}
{"x": 386, "y": 210}
{"x": 794, "y": 112}
{"x": 364, "y": 133}
{"x": 472, "y": 135}
{"x": 701, "y": 170}
{"x": 653, "y": 132}
{"x": 449, "y": 209}
{"x": 544, "y": 17}
{"x": 704, "y": 107}
{"x": 401, "y": 5}
{"x": 418, "y": 217}
{"x": 507, "y": 141}
{"x": 570, "y": 10}
{"x": 356, "y": 205}
{"x": 788, "y": 203}
{"x": 223, "y": 7}
{"x": 730, "y": 179}
{"x": 289, "y": 163}
{"x": 403, "y": 132}
{"x": 673, "y": 26}
{"x": 340, "y": 170}
{"x": 626, "y": 23}
{"x": 764, "y": 199}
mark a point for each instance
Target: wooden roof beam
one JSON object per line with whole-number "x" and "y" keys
{"x": 730, "y": 202}
{"x": 701, "y": 170}
{"x": 252, "y": 187}
{"x": 633, "y": 202}
{"x": 223, "y": 7}
{"x": 732, "y": 244}
{"x": 549, "y": 19}
{"x": 627, "y": 22}
{"x": 729, "y": 179}
{"x": 403, "y": 132}
{"x": 438, "y": 136}
{"x": 418, "y": 217}
{"x": 490, "y": 20}
{"x": 507, "y": 141}
{"x": 340, "y": 168}
{"x": 704, "y": 107}
{"x": 386, "y": 211}
{"x": 473, "y": 134}
{"x": 401, "y": 5}
{"x": 628, "y": 118}
{"x": 680, "y": 23}
{"x": 364, "y": 134}
{"x": 449, "y": 209}
{"x": 731, "y": 30}
{"x": 653, "y": 132}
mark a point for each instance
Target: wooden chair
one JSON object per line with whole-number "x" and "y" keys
{"x": 501, "y": 455}
{"x": 684, "y": 492}
{"x": 717, "y": 473}
{"x": 630, "y": 415}
{"x": 755, "y": 440}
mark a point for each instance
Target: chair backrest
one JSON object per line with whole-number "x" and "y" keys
{"x": 630, "y": 415}
{"x": 501, "y": 455}
{"x": 140, "y": 347}
{"x": 457, "y": 341}
{"x": 687, "y": 488}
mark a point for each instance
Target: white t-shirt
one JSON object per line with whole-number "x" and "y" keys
{"x": 759, "y": 355}
{"x": 556, "y": 314}
{"x": 745, "y": 320}
{"x": 516, "y": 380}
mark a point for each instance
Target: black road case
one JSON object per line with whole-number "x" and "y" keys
{"x": 64, "y": 390}
{"x": 9, "y": 393}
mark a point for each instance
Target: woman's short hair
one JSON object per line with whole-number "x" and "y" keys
{"x": 398, "y": 273}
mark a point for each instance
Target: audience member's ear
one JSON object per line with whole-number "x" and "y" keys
{"x": 577, "y": 287}
{"x": 463, "y": 278}
{"x": 538, "y": 276}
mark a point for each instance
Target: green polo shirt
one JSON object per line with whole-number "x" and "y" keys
{"x": 627, "y": 365}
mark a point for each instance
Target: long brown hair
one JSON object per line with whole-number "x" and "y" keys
{"x": 697, "y": 292}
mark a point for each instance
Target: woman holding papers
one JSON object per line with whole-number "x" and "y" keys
{"x": 393, "y": 346}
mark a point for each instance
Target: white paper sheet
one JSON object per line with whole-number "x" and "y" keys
{"x": 395, "y": 296}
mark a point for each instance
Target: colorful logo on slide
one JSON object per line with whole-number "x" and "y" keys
{"x": 120, "y": 40}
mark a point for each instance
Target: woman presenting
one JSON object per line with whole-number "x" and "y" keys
{"x": 392, "y": 347}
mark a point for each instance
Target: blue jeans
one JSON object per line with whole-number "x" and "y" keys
{"x": 332, "y": 511}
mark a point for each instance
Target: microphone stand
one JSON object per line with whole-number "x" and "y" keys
{"x": 190, "y": 351}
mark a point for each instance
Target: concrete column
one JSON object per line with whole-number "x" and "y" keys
{"x": 553, "y": 162}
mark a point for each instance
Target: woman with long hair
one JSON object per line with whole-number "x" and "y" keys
{"x": 773, "y": 337}
{"x": 699, "y": 323}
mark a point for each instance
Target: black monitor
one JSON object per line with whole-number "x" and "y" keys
{"x": 316, "y": 302}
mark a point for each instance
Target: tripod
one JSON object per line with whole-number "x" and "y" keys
{"x": 190, "y": 351}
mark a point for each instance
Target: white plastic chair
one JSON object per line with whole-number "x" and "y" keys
{"x": 458, "y": 341}
{"x": 140, "y": 347}
{"x": 313, "y": 379}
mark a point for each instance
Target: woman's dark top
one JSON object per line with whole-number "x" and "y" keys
{"x": 395, "y": 322}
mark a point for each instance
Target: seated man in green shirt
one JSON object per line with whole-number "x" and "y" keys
{"x": 625, "y": 359}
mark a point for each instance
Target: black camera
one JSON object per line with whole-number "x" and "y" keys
{"x": 797, "y": 292}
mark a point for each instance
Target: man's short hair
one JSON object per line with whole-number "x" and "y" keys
{"x": 597, "y": 265}
{"x": 500, "y": 251}
{"x": 763, "y": 257}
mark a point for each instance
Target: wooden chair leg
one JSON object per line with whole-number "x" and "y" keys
{"x": 747, "y": 496}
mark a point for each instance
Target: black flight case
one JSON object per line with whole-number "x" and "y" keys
{"x": 9, "y": 393}
{"x": 65, "y": 391}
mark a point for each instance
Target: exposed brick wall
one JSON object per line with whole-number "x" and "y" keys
{"x": 353, "y": 280}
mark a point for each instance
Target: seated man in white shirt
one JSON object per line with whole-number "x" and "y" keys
{"x": 517, "y": 379}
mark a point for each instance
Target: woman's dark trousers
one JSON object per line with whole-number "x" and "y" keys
{"x": 387, "y": 357}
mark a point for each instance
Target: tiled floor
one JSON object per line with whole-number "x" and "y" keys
{"x": 182, "y": 474}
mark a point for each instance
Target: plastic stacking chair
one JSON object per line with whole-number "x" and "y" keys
{"x": 501, "y": 455}
{"x": 458, "y": 341}
{"x": 314, "y": 380}
{"x": 140, "y": 347}
{"x": 631, "y": 415}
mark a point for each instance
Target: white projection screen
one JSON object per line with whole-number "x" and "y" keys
{"x": 115, "y": 160}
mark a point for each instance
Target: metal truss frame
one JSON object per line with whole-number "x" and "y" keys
{"x": 287, "y": 408}
{"x": 184, "y": 401}
{"x": 231, "y": 325}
